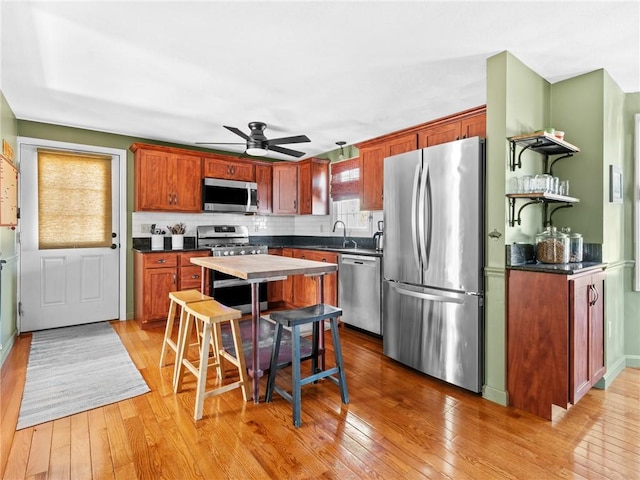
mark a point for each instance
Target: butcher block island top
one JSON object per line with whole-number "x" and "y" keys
{"x": 260, "y": 267}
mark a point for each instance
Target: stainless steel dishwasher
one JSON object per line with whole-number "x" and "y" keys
{"x": 360, "y": 292}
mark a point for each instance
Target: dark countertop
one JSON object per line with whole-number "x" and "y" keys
{"x": 144, "y": 249}
{"x": 353, "y": 251}
{"x": 143, "y": 244}
{"x": 559, "y": 268}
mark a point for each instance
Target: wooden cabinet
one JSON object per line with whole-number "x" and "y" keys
{"x": 223, "y": 167}
{"x": 306, "y": 288}
{"x": 465, "y": 124}
{"x": 301, "y": 188}
{"x": 285, "y": 188}
{"x": 449, "y": 130}
{"x": 300, "y": 291}
{"x": 586, "y": 333}
{"x": 264, "y": 179}
{"x": 155, "y": 276}
{"x": 166, "y": 179}
{"x": 313, "y": 187}
{"x": 555, "y": 338}
{"x": 372, "y": 168}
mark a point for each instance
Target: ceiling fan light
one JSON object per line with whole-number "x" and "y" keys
{"x": 256, "y": 151}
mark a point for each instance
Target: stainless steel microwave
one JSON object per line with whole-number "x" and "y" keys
{"x": 220, "y": 195}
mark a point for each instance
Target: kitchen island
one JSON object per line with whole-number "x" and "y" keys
{"x": 263, "y": 268}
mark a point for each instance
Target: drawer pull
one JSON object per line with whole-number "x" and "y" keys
{"x": 195, "y": 276}
{"x": 162, "y": 260}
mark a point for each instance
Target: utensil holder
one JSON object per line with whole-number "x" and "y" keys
{"x": 177, "y": 242}
{"x": 157, "y": 242}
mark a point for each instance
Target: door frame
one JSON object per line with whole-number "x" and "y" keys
{"x": 121, "y": 154}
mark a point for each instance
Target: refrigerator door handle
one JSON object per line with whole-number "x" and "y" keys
{"x": 415, "y": 240}
{"x": 421, "y": 218}
{"x": 427, "y": 296}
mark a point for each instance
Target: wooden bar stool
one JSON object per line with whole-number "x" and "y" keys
{"x": 211, "y": 314}
{"x": 315, "y": 314}
{"x": 177, "y": 299}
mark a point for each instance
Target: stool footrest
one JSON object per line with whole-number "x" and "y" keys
{"x": 319, "y": 375}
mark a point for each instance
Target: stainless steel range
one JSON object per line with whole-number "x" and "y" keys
{"x": 228, "y": 240}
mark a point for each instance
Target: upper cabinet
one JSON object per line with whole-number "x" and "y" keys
{"x": 469, "y": 123}
{"x": 285, "y": 190}
{"x": 371, "y": 167}
{"x": 166, "y": 179}
{"x": 222, "y": 167}
{"x": 264, "y": 179}
{"x": 313, "y": 187}
{"x": 301, "y": 188}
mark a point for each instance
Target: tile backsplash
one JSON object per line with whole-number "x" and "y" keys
{"x": 314, "y": 225}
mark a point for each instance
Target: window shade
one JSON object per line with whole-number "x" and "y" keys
{"x": 74, "y": 200}
{"x": 345, "y": 179}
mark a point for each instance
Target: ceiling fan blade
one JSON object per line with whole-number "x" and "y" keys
{"x": 219, "y": 143}
{"x": 238, "y": 132}
{"x": 283, "y": 140}
{"x": 286, "y": 151}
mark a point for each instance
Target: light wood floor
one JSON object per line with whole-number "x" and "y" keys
{"x": 399, "y": 424}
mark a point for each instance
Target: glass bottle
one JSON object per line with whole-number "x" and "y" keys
{"x": 552, "y": 246}
{"x": 575, "y": 247}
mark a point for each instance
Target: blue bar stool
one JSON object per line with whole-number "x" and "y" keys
{"x": 315, "y": 314}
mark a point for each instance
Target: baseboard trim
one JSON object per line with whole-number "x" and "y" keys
{"x": 612, "y": 372}
{"x": 494, "y": 395}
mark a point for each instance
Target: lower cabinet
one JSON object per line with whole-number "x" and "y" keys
{"x": 555, "y": 338}
{"x": 586, "y": 333}
{"x": 300, "y": 291}
{"x": 155, "y": 275}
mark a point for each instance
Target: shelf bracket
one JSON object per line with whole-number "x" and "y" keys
{"x": 512, "y": 209}
{"x": 513, "y": 163}
{"x": 549, "y": 221}
{"x": 550, "y": 171}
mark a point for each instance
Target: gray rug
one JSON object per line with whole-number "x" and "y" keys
{"x": 74, "y": 369}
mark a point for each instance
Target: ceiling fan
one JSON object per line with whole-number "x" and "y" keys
{"x": 258, "y": 145}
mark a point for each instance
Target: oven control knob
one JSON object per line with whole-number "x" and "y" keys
{"x": 241, "y": 252}
{"x": 225, "y": 253}
{"x": 253, "y": 252}
{"x": 231, "y": 252}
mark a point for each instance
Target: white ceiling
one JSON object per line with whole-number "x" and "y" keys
{"x": 333, "y": 70}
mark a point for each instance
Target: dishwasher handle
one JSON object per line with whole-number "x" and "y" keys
{"x": 358, "y": 260}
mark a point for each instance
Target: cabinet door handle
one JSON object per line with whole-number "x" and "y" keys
{"x": 170, "y": 199}
{"x": 295, "y": 205}
{"x": 175, "y": 199}
{"x": 596, "y": 294}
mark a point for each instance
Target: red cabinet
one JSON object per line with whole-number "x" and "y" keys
{"x": 555, "y": 338}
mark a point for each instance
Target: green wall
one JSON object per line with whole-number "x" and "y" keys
{"x": 598, "y": 117}
{"x": 8, "y": 295}
{"x": 632, "y": 298}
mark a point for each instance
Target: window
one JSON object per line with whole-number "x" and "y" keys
{"x": 345, "y": 194}
{"x": 74, "y": 200}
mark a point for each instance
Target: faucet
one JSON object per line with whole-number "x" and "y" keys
{"x": 344, "y": 229}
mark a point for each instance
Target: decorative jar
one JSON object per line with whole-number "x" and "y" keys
{"x": 552, "y": 246}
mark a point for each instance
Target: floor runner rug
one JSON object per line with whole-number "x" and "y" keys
{"x": 74, "y": 369}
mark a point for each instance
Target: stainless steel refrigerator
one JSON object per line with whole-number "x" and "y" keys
{"x": 433, "y": 261}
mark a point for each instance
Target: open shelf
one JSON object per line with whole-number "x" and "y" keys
{"x": 542, "y": 143}
{"x": 543, "y": 199}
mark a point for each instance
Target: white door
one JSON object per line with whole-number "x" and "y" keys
{"x": 77, "y": 282}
